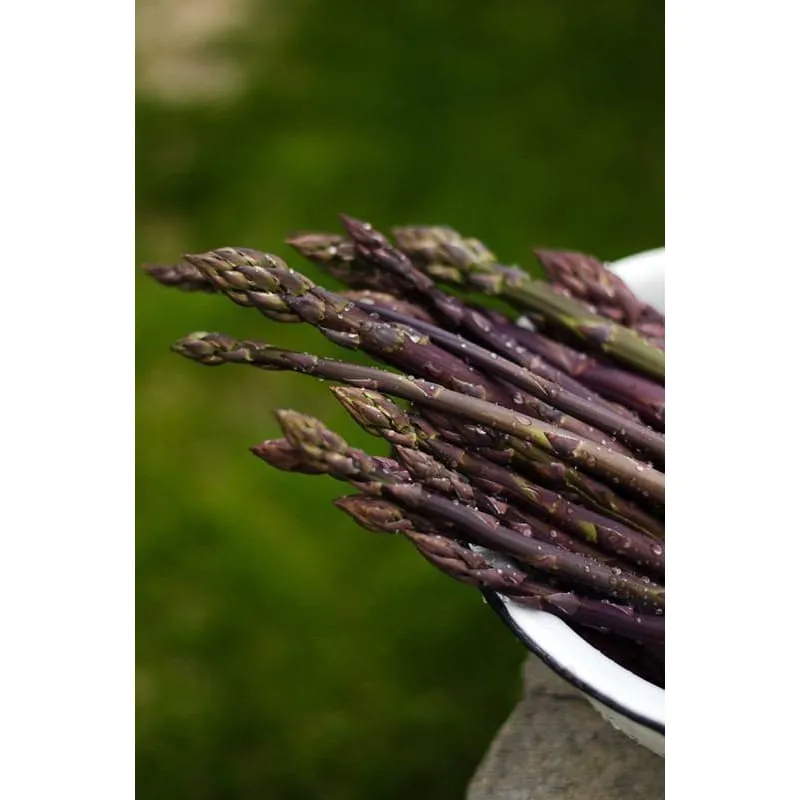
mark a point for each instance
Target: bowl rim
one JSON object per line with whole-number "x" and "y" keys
{"x": 644, "y": 273}
{"x": 501, "y": 607}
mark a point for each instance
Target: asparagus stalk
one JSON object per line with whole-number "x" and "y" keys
{"x": 544, "y": 470}
{"x": 382, "y": 417}
{"x": 377, "y": 264}
{"x": 611, "y": 536}
{"x": 372, "y": 302}
{"x": 327, "y": 452}
{"x": 474, "y": 568}
{"x": 432, "y": 474}
{"x": 515, "y": 334}
{"x": 375, "y": 249}
{"x": 336, "y": 255}
{"x": 183, "y": 276}
{"x": 531, "y": 403}
{"x": 599, "y": 416}
{"x": 644, "y": 396}
{"x": 380, "y": 515}
{"x": 283, "y": 455}
{"x": 588, "y": 280}
{"x": 466, "y": 263}
{"x": 438, "y": 477}
{"x": 637, "y": 477}
{"x": 311, "y": 448}
{"x": 266, "y": 281}
{"x": 487, "y": 532}
{"x": 404, "y": 280}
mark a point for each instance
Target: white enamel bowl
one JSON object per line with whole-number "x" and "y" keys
{"x": 630, "y": 703}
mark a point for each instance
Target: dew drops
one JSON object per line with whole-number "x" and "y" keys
{"x": 657, "y": 550}
{"x": 616, "y": 570}
{"x": 518, "y": 398}
{"x": 640, "y": 468}
{"x": 522, "y": 420}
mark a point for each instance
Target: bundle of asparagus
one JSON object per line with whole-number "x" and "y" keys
{"x": 528, "y": 459}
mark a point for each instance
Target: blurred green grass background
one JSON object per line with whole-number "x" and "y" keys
{"x": 281, "y": 651}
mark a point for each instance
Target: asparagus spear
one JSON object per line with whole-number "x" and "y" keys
{"x": 371, "y": 302}
{"x": 599, "y": 416}
{"x": 637, "y": 477}
{"x": 382, "y": 417}
{"x": 636, "y": 392}
{"x": 613, "y": 537}
{"x": 476, "y": 569}
{"x": 520, "y": 354}
{"x": 528, "y": 402}
{"x": 468, "y": 264}
{"x": 183, "y": 276}
{"x": 543, "y": 469}
{"x": 587, "y": 279}
{"x": 487, "y": 532}
{"x": 404, "y": 279}
{"x": 438, "y": 477}
{"x": 283, "y": 455}
{"x": 327, "y": 452}
{"x": 376, "y": 263}
{"x": 432, "y": 474}
{"x": 337, "y": 255}
{"x": 375, "y": 249}
{"x": 372, "y": 248}
{"x": 312, "y": 448}
{"x": 266, "y": 281}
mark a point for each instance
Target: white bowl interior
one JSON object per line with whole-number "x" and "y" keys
{"x": 644, "y": 274}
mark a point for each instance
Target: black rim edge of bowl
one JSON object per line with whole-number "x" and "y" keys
{"x": 497, "y": 604}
